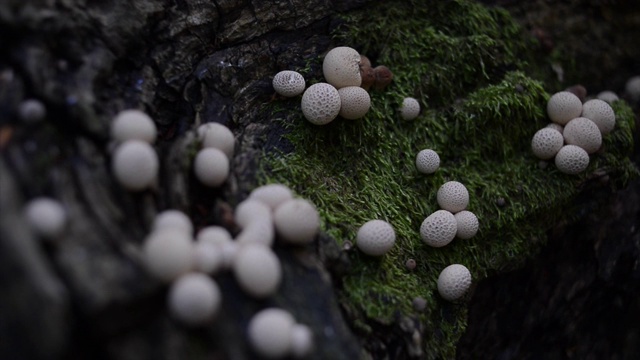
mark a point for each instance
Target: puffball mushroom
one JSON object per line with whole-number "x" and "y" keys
{"x": 546, "y": 143}
{"x": 251, "y": 210}
{"x": 453, "y": 196}
{"x": 297, "y": 221}
{"x": 271, "y": 195}
{"x": 341, "y": 67}
{"x": 46, "y": 216}
{"x": 467, "y": 224}
{"x": 584, "y": 133}
{"x": 258, "y": 231}
{"x": 257, "y": 270}
{"x": 608, "y": 96}
{"x": 194, "y": 299}
{"x": 320, "y": 103}
{"x": 632, "y": 88}
{"x": 216, "y": 135}
{"x": 211, "y": 167}
{"x": 375, "y": 237}
{"x": 168, "y": 254}
{"x": 384, "y": 77}
{"x": 556, "y": 127}
{"x": 454, "y": 281}
{"x": 135, "y": 165}
{"x": 207, "y": 257}
{"x": 601, "y": 114}
{"x": 354, "y": 102}
{"x": 216, "y": 235}
{"x": 410, "y": 108}
{"x": 269, "y": 332}
{"x": 563, "y": 106}
{"x": 572, "y": 159}
{"x": 32, "y": 111}
{"x": 439, "y": 228}
{"x": 133, "y": 124}
{"x": 301, "y": 341}
{"x": 172, "y": 219}
{"x": 427, "y": 161}
{"x": 288, "y": 83}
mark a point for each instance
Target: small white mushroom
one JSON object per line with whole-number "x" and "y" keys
{"x": 172, "y": 219}
{"x": 467, "y": 224}
{"x": 453, "y": 282}
{"x": 354, "y": 102}
{"x": 194, "y": 299}
{"x": 572, "y": 159}
{"x": 297, "y": 221}
{"x": 301, "y": 341}
{"x": 257, "y": 231}
{"x": 584, "y": 133}
{"x": 341, "y": 67}
{"x": 32, "y": 111}
{"x": 288, "y": 83}
{"x": 211, "y": 167}
{"x": 410, "y": 108}
{"x": 251, "y": 210}
{"x": 563, "y": 106}
{"x": 439, "y": 228}
{"x": 427, "y": 161}
{"x": 556, "y": 127}
{"x": 608, "y": 96}
{"x": 216, "y": 235}
{"x": 375, "y": 237}
{"x": 546, "y": 143}
{"x": 601, "y": 114}
{"x": 168, "y": 254}
{"x": 207, "y": 257}
{"x": 632, "y": 88}
{"x": 133, "y": 124}
{"x": 218, "y": 136}
{"x": 46, "y": 216}
{"x": 135, "y": 165}
{"x": 320, "y": 103}
{"x": 271, "y": 195}
{"x": 257, "y": 270}
{"x": 269, "y": 332}
{"x": 453, "y": 196}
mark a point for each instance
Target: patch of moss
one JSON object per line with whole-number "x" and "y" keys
{"x": 463, "y": 62}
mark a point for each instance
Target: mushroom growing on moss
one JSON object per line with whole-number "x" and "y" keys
{"x": 297, "y": 221}
{"x": 271, "y": 195}
{"x": 427, "y": 161}
{"x": 453, "y": 196}
{"x": 584, "y": 133}
{"x": 467, "y": 224}
{"x": 410, "y": 108}
{"x": 563, "y": 106}
{"x": 601, "y": 114}
{"x": 572, "y": 159}
{"x": 354, "y": 102}
{"x": 320, "y": 103}
{"x": 546, "y": 143}
{"x": 288, "y": 83}
{"x": 341, "y": 67}
{"x": 439, "y": 228}
{"x": 454, "y": 281}
{"x": 375, "y": 237}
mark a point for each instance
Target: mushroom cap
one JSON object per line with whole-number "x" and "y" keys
{"x": 172, "y": 219}
{"x": 601, "y": 114}
{"x": 269, "y": 332}
{"x": 467, "y": 224}
{"x": 272, "y": 195}
{"x": 216, "y": 135}
{"x": 168, "y": 253}
{"x": 133, "y": 124}
{"x": 546, "y": 143}
{"x": 439, "y": 228}
{"x": 341, "y": 67}
{"x": 194, "y": 299}
{"x": 257, "y": 270}
{"x": 410, "y": 108}
{"x": 288, "y": 83}
{"x": 135, "y": 164}
{"x": 207, "y": 257}
{"x": 251, "y": 210}
{"x": 211, "y": 167}
{"x": 320, "y": 103}
{"x": 555, "y": 126}
{"x": 354, "y": 102}
{"x": 46, "y": 216}
{"x": 32, "y": 111}
{"x": 257, "y": 231}
{"x": 572, "y": 159}
{"x": 427, "y": 161}
{"x": 608, "y": 96}
{"x": 632, "y": 88}
{"x": 584, "y": 133}
{"x": 216, "y": 235}
{"x": 454, "y": 281}
{"x": 384, "y": 77}
{"x": 453, "y": 196}
{"x": 375, "y": 237}
{"x": 301, "y": 341}
{"x": 563, "y": 106}
{"x": 297, "y": 221}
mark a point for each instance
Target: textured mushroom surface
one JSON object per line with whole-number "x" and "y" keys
{"x": 601, "y": 113}
{"x": 439, "y": 228}
{"x": 427, "y": 161}
{"x": 563, "y": 106}
{"x": 46, "y": 216}
{"x": 211, "y": 167}
{"x": 467, "y": 224}
{"x": 269, "y": 332}
{"x": 584, "y": 133}
{"x": 556, "y": 127}
{"x": 410, "y": 108}
{"x": 354, "y": 102}
{"x": 572, "y": 159}
{"x": 168, "y": 253}
{"x": 215, "y": 135}
{"x": 194, "y": 299}
{"x": 375, "y": 237}
{"x": 297, "y": 221}
{"x": 135, "y": 165}
{"x": 341, "y": 67}
{"x": 453, "y": 196}
{"x": 454, "y": 281}
{"x": 257, "y": 270}
{"x": 546, "y": 143}
{"x": 288, "y": 83}
{"x": 320, "y": 103}
{"x": 271, "y": 195}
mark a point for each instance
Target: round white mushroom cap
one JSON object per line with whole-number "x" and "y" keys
{"x": 272, "y": 195}
{"x": 257, "y": 270}
{"x": 608, "y": 96}
{"x": 46, "y": 216}
{"x": 297, "y": 221}
{"x": 563, "y": 106}
{"x": 207, "y": 257}
{"x": 584, "y": 133}
{"x": 32, "y": 111}
{"x": 168, "y": 253}
{"x": 216, "y": 235}
{"x": 341, "y": 67}
{"x": 546, "y": 143}
{"x": 135, "y": 165}
{"x": 257, "y": 231}
{"x": 211, "y": 167}
{"x": 555, "y": 126}
{"x": 453, "y": 196}
{"x": 251, "y": 210}
{"x": 216, "y": 135}
{"x": 454, "y": 281}
{"x": 172, "y": 219}
{"x": 301, "y": 341}
{"x": 320, "y": 103}
{"x": 632, "y": 88}
{"x": 133, "y": 124}
{"x": 572, "y": 159}
{"x": 354, "y": 102}
{"x": 427, "y": 161}
{"x": 288, "y": 83}
{"x": 601, "y": 114}
{"x": 410, "y": 108}
{"x": 194, "y": 299}
{"x": 375, "y": 237}
{"x": 269, "y": 332}
{"x": 467, "y": 224}
{"x": 439, "y": 228}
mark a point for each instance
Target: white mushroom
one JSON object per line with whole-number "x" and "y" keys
{"x": 271, "y": 195}
{"x": 546, "y": 143}
{"x": 453, "y": 196}
{"x": 320, "y": 103}
{"x": 207, "y": 257}
{"x": 257, "y": 231}
{"x": 410, "y": 108}
{"x": 296, "y": 221}
{"x": 556, "y": 127}
{"x": 427, "y": 161}
{"x": 135, "y": 165}
{"x": 563, "y": 106}
{"x": 133, "y": 124}
{"x": 218, "y": 136}
{"x": 584, "y": 133}
{"x": 601, "y": 114}
{"x": 354, "y": 102}
{"x": 211, "y": 167}
{"x": 439, "y": 228}
{"x": 632, "y": 88}
{"x": 194, "y": 299}
{"x": 572, "y": 159}
{"x": 269, "y": 332}
{"x": 216, "y": 235}
{"x": 467, "y": 224}
{"x": 257, "y": 270}
{"x": 608, "y": 96}
{"x": 341, "y": 67}
{"x": 288, "y": 83}
{"x": 375, "y": 237}
{"x": 172, "y": 219}
{"x": 251, "y": 210}
{"x": 453, "y": 282}
{"x": 301, "y": 341}
{"x": 32, "y": 111}
{"x": 46, "y": 216}
{"x": 168, "y": 253}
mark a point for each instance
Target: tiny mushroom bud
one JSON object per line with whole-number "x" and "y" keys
{"x": 367, "y": 73}
{"x": 584, "y": 133}
{"x": 288, "y": 83}
{"x": 453, "y": 282}
{"x": 354, "y": 102}
{"x": 269, "y": 332}
{"x": 563, "y": 106}
{"x": 578, "y": 90}
{"x": 297, "y": 221}
{"x": 320, "y": 103}
{"x": 601, "y": 114}
{"x": 375, "y": 237}
{"x": 467, "y": 224}
{"x": 427, "y": 161}
{"x": 572, "y": 159}
{"x": 301, "y": 341}
{"x": 341, "y": 67}
{"x": 133, "y": 124}
{"x": 608, "y": 96}
{"x": 168, "y": 253}
{"x": 211, "y": 167}
{"x": 453, "y": 196}
{"x": 546, "y": 143}
{"x": 135, "y": 165}
{"x": 216, "y": 135}
{"x": 257, "y": 270}
{"x": 272, "y": 195}
{"x": 174, "y": 219}
{"x": 439, "y": 228}
{"x": 46, "y": 216}
{"x": 384, "y": 76}
{"x": 410, "y": 108}
{"x": 194, "y": 299}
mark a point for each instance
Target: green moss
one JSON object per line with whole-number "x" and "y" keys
{"x": 463, "y": 62}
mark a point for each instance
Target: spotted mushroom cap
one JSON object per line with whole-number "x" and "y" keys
{"x": 375, "y": 237}
{"x": 216, "y": 135}
{"x": 410, "y": 108}
{"x": 563, "y": 106}
{"x": 133, "y": 124}
{"x": 194, "y": 299}
{"x": 546, "y": 143}
{"x": 257, "y": 270}
{"x": 269, "y": 332}
{"x": 555, "y": 126}
{"x": 341, "y": 67}
{"x": 427, "y": 161}
{"x": 607, "y": 96}
{"x": 271, "y": 195}
{"x": 454, "y": 281}
{"x": 135, "y": 165}
{"x": 211, "y": 167}
{"x": 439, "y": 228}
{"x": 320, "y": 103}
{"x": 572, "y": 159}
{"x": 467, "y": 224}
{"x": 297, "y": 221}
{"x": 453, "y": 196}
{"x": 354, "y": 102}
{"x": 168, "y": 254}
{"x": 601, "y": 114}
{"x": 584, "y": 133}
{"x": 46, "y": 216}
{"x": 288, "y": 83}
